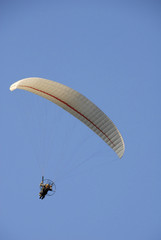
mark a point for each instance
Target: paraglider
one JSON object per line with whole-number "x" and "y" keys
{"x": 81, "y": 108}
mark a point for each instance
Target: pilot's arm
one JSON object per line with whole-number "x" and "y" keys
{"x": 41, "y": 184}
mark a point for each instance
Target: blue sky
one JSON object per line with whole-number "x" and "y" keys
{"x": 110, "y": 51}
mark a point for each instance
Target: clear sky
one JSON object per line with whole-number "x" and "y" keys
{"x": 110, "y": 51}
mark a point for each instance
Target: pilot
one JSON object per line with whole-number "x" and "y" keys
{"x": 44, "y": 189}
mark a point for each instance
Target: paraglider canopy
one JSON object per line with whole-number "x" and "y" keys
{"x": 77, "y": 105}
